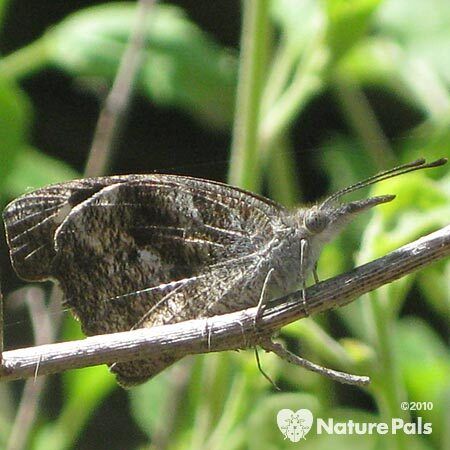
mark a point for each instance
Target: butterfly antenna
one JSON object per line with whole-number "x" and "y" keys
{"x": 418, "y": 164}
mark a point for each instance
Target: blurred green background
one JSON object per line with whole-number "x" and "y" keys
{"x": 329, "y": 92}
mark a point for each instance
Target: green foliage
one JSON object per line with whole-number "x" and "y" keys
{"x": 90, "y": 43}
{"x": 425, "y": 365}
{"x": 399, "y": 47}
{"x": 21, "y": 166}
{"x": 348, "y": 23}
{"x": 14, "y": 117}
{"x": 83, "y": 393}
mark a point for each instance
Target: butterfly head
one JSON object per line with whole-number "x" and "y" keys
{"x": 322, "y": 222}
{"x": 325, "y": 222}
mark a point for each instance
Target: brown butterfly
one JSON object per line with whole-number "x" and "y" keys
{"x": 144, "y": 250}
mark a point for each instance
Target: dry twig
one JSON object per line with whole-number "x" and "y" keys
{"x": 43, "y": 331}
{"x": 116, "y": 103}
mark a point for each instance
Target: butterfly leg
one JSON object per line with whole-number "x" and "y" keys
{"x": 264, "y": 374}
{"x": 303, "y": 253}
{"x": 316, "y": 276}
{"x": 335, "y": 375}
{"x": 208, "y": 334}
{"x": 262, "y": 298}
{"x": 259, "y": 311}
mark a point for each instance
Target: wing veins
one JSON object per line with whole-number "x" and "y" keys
{"x": 153, "y": 288}
{"x": 206, "y": 197}
{"x": 29, "y": 255}
{"x": 191, "y": 239}
{"x": 39, "y": 224}
{"x": 31, "y": 196}
{"x": 24, "y": 219}
{"x": 226, "y": 232}
{"x": 184, "y": 280}
{"x": 158, "y": 303}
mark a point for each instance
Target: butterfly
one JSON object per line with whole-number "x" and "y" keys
{"x": 139, "y": 251}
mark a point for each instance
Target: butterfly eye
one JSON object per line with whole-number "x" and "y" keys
{"x": 315, "y": 221}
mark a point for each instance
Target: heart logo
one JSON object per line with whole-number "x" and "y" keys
{"x": 294, "y": 425}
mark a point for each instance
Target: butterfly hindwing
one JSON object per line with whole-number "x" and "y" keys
{"x": 186, "y": 300}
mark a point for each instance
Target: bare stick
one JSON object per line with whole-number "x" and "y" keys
{"x": 118, "y": 99}
{"x": 226, "y": 331}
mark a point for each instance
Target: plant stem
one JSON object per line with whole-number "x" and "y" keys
{"x": 116, "y": 104}
{"x": 281, "y": 68}
{"x": 388, "y": 388}
{"x": 362, "y": 119}
{"x": 26, "y": 60}
{"x": 228, "y": 331}
{"x": 282, "y": 177}
{"x": 307, "y": 80}
{"x": 244, "y": 168}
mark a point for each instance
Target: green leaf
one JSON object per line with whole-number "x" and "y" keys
{"x": 3, "y": 5}
{"x": 434, "y": 284}
{"x": 358, "y": 441}
{"x": 348, "y": 22}
{"x": 342, "y": 171}
{"x": 408, "y": 53}
{"x": 219, "y": 392}
{"x": 183, "y": 67}
{"x": 7, "y": 412}
{"x": 422, "y": 28}
{"x": 375, "y": 61}
{"x": 431, "y": 139}
{"x": 421, "y": 205}
{"x": 84, "y": 390}
{"x": 33, "y": 169}
{"x": 150, "y": 402}
{"x": 213, "y": 403}
{"x": 425, "y": 364}
{"x": 261, "y": 430}
{"x": 15, "y": 115}
{"x": 297, "y": 19}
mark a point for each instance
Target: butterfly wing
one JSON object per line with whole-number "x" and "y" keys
{"x": 143, "y": 234}
{"x": 32, "y": 219}
{"x": 144, "y": 250}
{"x": 200, "y": 296}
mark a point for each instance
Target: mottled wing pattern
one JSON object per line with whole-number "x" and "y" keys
{"x": 147, "y": 250}
{"x": 134, "y": 236}
{"x": 31, "y": 222}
